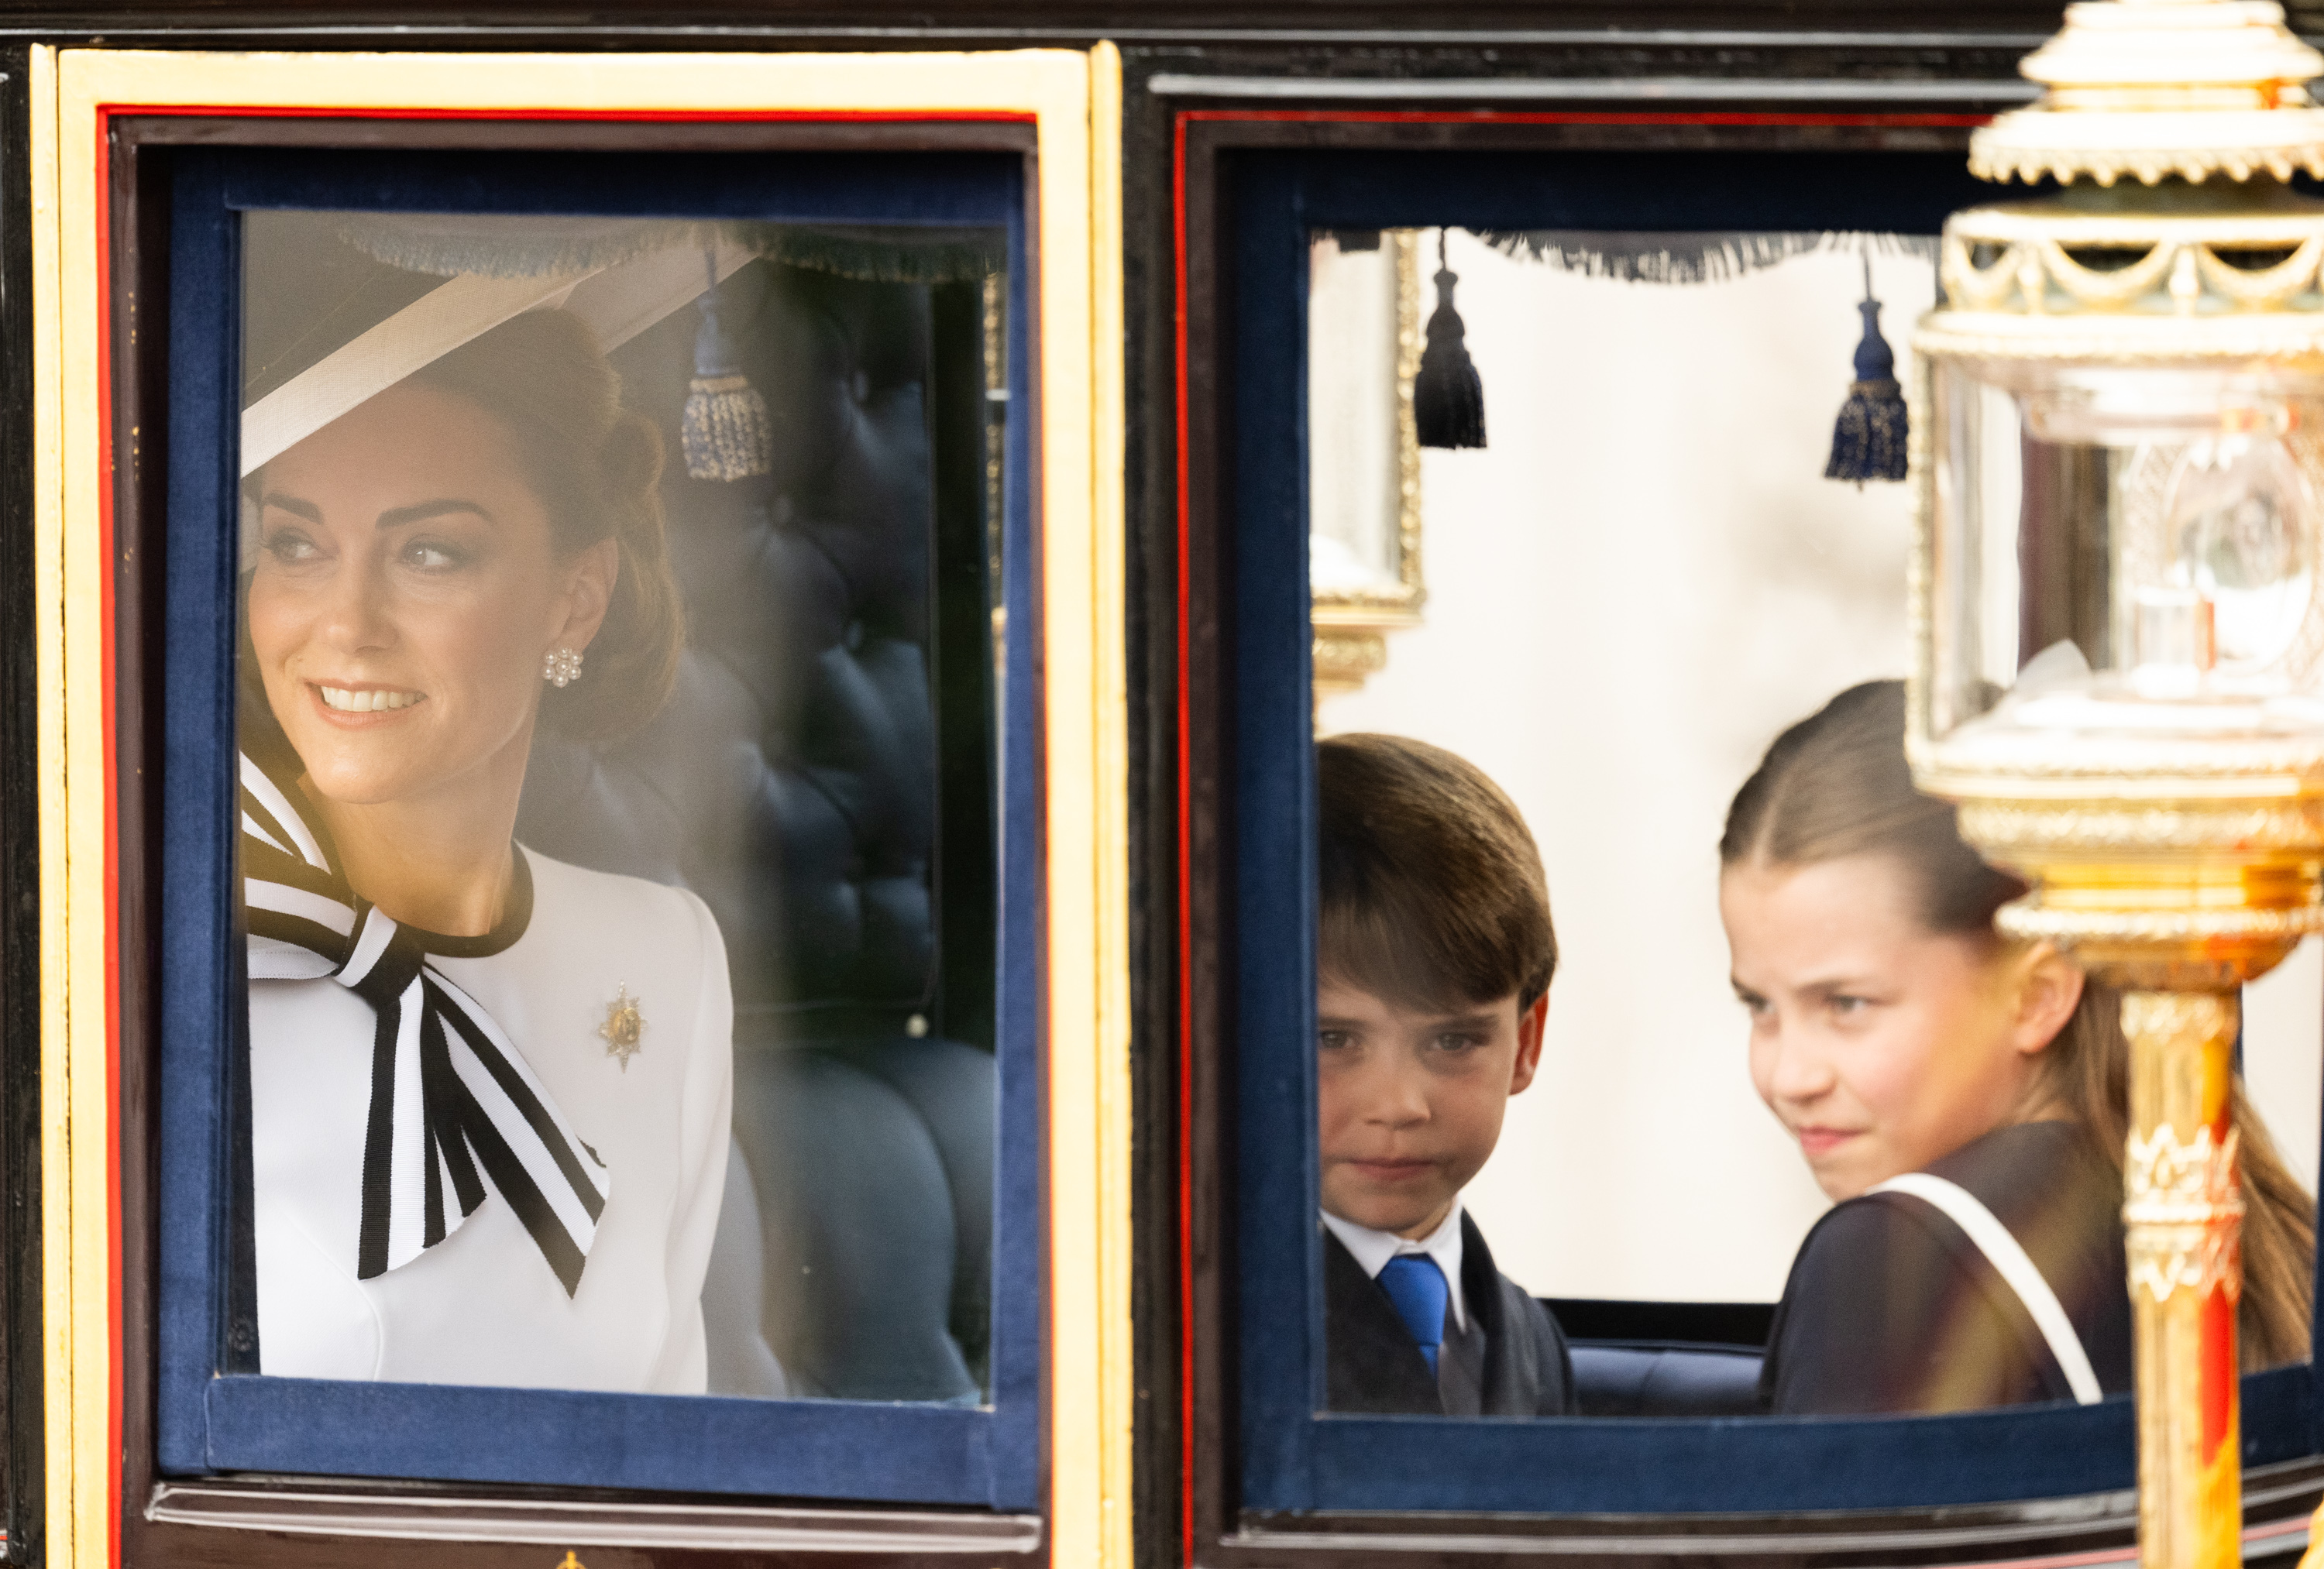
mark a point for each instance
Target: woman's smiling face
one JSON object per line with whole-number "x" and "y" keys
{"x": 405, "y": 593}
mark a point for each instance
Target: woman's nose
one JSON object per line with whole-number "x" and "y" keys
{"x": 354, "y": 618}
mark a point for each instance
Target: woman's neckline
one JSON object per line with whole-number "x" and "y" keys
{"x": 516, "y": 915}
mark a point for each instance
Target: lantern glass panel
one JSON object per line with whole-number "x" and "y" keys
{"x": 2126, "y": 552}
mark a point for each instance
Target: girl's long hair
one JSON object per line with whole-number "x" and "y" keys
{"x": 1835, "y": 784}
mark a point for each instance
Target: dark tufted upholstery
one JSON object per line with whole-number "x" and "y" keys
{"x": 792, "y": 783}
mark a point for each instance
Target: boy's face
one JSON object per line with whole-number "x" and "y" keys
{"x": 1410, "y": 1103}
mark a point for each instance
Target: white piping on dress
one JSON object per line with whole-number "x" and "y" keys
{"x": 2008, "y": 1257}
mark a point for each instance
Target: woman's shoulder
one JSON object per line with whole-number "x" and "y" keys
{"x": 581, "y": 906}
{"x": 564, "y": 883}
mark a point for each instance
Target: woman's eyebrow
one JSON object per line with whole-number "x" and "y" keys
{"x": 292, "y": 505}
{"x": 420, "y": 511}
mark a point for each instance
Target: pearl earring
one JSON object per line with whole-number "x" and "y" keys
{"x": 562, "y": 667}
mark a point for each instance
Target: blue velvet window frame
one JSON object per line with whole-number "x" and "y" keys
{"x": 1294, "y": 1459}
{"x": 802, "y": 1449}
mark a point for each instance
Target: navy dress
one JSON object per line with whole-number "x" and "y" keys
{"x": 1891, "y": 1308}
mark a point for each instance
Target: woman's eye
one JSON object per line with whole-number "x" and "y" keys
{"x": 428, "y": 555}
{"x": 1847, "y": 1006}
{"x": 289, "y": 544}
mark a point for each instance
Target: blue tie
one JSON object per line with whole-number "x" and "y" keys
{"x": 1417, "y": 1286}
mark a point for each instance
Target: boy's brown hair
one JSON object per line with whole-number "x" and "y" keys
{"x": 1431, "y": 890}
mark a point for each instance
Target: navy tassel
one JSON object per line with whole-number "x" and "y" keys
{"x": 1448, "y": 397}
{"x": 724, "y": 430}
{"x": 1868, "y": 439}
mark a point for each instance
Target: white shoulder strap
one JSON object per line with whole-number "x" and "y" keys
{"x": 1992, "y": 1238}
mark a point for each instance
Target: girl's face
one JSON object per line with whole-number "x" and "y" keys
{"x": 1879, "y": 1045}
{"x": 405, "y": 593}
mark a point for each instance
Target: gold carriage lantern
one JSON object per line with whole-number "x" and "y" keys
{"x": 2119, "y": 611}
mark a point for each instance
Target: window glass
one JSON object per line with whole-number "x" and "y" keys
{"x": 620, "y": 997}
{"x": 1593, "y": 518}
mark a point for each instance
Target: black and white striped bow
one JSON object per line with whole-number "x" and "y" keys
{"x": 453, "y": 1102}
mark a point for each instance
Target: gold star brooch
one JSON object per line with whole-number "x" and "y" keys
{"x": 623, "y": 1030}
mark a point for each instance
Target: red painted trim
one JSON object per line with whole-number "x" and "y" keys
{"x": 1180, "y": 121}
{"x": 107, "y": 620}
{"x": 105, "y": 115}
{"x": 750, "y": 116}
{"x": 1185, "y": 877}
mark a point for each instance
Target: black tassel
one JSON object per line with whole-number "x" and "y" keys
{"x": 1448, "y": 398}
{"x": 1868, "y": 439}
{"x": 725, "y": 430}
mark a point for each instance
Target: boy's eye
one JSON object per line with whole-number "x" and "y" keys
{"x": 1333, "y": 1040}
{"x": 1456, "y": 1042}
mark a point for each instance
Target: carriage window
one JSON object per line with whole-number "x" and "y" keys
{"x": 1634, "y": 1035}
{"x": 620, "y": 1008}
{"x": 619, "y": 710}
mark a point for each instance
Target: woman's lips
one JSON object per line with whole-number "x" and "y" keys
{"x": 363, "y": 704}
{"x": 1815, "y": 1142}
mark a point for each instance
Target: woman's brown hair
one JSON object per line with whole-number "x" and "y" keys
{"x": 594, "y": 467}
{"x": 1835, "y": 784}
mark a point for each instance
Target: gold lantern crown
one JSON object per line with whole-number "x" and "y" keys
{"x": 2158, "y": 88}
{"x": 2152, "y": 89}
{"x": 2202, "y": 251}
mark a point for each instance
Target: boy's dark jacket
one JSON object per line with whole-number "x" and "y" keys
{"x": 1372, "y": 1365}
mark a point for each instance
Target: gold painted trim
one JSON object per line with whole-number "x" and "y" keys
{"x": 61, "y": 1416}
{"x": 1075, "y": 99}
{"x": 1091, "y": 1381}
{"x": 1349, "y": 628}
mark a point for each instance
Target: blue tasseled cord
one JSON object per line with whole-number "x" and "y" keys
{"x": 1868, "y": 439}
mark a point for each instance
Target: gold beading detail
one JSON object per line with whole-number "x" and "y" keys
{"x": 2183, "y": 1202}
{"x": 2226, "y": 828}
{"x": 2029, "y": 922}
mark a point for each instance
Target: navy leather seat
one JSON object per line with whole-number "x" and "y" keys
{"x": 792, "y": 783}
{"x": 1641, "y": 1378}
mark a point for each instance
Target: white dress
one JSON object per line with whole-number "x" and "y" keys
{"x": 482, "y": 1305}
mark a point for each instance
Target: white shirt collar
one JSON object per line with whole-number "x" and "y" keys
{"x": 1373, "y": 1249}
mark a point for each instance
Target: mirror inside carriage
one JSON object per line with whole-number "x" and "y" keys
{"x": 620, "y": 609}
{"x": 1667, "y": 1062}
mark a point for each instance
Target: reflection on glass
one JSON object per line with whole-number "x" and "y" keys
{"x": 1622, "y": 613}
{"x": 620, "y": 988}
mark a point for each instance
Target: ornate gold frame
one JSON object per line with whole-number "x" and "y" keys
{"x": 1072, "y": 97}
{"x": 1350, "y": 629}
